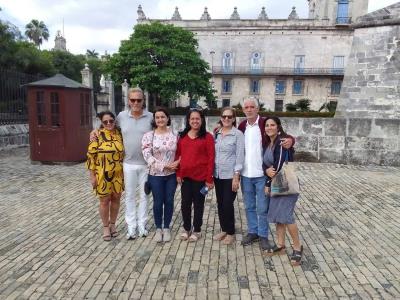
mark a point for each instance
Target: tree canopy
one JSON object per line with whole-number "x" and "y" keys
{"x": 37, "y": 31}
{"x": 164, "y": 60}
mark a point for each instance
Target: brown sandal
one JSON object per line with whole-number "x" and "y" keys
{"x": 106, "y": 237}
{"x": 195, "y": 236}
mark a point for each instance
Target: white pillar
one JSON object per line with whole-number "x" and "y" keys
{"x": 110, "y": 91}
{"x": 125, "y": 88}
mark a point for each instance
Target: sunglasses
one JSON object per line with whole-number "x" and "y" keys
{"x": 230, "y": 117}
{"x": 135, "y": 100}
{"x": 106, "y": 122}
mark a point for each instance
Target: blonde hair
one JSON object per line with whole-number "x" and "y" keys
{"x": 136, "y": 90}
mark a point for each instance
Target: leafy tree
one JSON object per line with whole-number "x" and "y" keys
{"x": 92, "y": 53}
{"x": 7, "y": 46}
{"x": 66, "y": 63}
{"x": 303, "y": 104}
{"x": 30, "y": 60}
{"x": 328, "y": 106}
{"x": 291, "y": 107}
{"x": 164, "y": 60}
{"x": 37, "y": 31}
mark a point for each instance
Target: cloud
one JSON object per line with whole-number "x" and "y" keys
{"x": 102, "y": 24}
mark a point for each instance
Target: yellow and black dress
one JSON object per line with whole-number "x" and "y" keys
{"x": 105, "y": 157}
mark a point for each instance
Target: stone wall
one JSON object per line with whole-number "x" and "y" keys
{"x": 12, "y": 136}
{"x": 371, "y": 83}
{"x": 344, "y": 141}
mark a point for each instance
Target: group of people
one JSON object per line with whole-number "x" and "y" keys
{"x": 138, "y": 148}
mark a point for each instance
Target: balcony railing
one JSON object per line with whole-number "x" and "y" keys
{"x": 241, "y": 70}
{"x": 343, "y": 20}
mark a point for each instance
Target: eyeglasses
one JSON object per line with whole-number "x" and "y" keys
{"x": 106, "y": 122}
{"x": 230, "y": 117}
{"x": 135, "y": 100}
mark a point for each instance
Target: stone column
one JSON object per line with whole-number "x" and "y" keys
{"x": 125, "y": 88}
{"x": 110, "y": 91}
{"x": 87, "y": 77}
{"x": 87, "y": 80}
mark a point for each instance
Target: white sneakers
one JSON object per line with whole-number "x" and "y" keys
{"x": 160, "y": 235}
{"x": 131, "y": 235}
{"x": 142, "y": 231}
{"x": 166, "y": 235}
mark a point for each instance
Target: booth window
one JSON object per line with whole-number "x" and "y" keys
{"x": 55, "y": 109}
{"x": 85, "y": 109}
{"x": 40, "y": 108}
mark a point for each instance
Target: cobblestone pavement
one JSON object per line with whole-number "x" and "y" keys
{"x": 51, "y": 246}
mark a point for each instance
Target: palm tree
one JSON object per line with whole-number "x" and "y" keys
{"x": 37, "y": 32}
{"x": 92, "y": 53}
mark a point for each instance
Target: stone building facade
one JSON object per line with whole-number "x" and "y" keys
{"x": 277, "y": 61}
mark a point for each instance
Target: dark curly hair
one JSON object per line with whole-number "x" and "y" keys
{"x": 202, "y": 132}
{"x": 103, "y": 113}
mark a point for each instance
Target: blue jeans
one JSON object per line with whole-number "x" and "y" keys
{"x": 163, "y": 190}
{"x": 256, "y": 205}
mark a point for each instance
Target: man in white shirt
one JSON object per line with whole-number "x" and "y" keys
{"x": 253, "y": 177}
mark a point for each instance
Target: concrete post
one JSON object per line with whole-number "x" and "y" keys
{"x": 125, "y": 88}
{"x": 110, "y": 91}
{"x": 87, "y": 80}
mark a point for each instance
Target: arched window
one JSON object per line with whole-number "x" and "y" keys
{"x": 227, "y": 62}
{"x": 255, "y": 62}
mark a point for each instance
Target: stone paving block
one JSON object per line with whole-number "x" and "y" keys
{"x": 51, "y": 246}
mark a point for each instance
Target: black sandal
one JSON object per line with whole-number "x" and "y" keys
{"x": 296, "y": 257}
{"x": 275, "y": 250}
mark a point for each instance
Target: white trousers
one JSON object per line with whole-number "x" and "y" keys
{"x": 134, "y": 177}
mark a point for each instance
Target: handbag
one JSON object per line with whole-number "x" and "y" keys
{"x": 285, "y": 182}
{"x": 147, "y": 186}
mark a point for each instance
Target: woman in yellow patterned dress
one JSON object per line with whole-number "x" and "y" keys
{"x": 105, "y": 168}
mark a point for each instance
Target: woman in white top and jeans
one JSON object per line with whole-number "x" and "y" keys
{"x": 159, "y": 147}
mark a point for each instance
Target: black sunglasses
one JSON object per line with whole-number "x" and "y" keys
{"x": 106, "y": 122}
{"x": 135, "y": 100}
{"x": 230, "y": 117}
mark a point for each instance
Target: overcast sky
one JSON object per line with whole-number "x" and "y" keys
{"x": 102, "y": 24}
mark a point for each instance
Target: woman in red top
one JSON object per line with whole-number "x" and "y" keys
{"x": 195, "y": 172}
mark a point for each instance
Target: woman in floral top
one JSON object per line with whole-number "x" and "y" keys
{"x": 159, "y": 147}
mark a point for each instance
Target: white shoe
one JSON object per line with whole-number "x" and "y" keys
{"x": 166, "y": 235}
{"x": 142, "y": 231}
{"x": 131, "y": 234}
{"x": 158, "y": 237}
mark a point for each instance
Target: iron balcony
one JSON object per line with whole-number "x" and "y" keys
{"x": 241, "y": 70}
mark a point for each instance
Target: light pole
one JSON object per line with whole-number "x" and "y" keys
{"x": 212, "y": 52}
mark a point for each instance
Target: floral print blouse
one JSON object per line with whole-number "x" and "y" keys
{"x": 159, "y": 151}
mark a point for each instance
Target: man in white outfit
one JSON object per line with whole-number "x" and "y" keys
{"x": 134, "y": 123}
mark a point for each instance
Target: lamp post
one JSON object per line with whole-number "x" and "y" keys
{"x": 212, "y": 52}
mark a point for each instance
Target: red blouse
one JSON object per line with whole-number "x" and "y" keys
{"x": 197, "y": 158}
